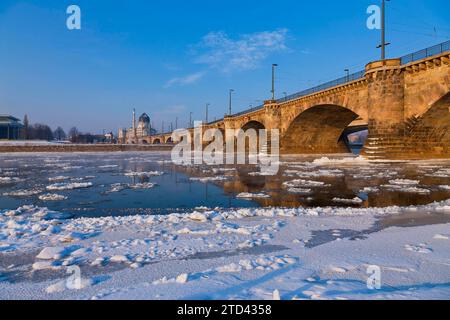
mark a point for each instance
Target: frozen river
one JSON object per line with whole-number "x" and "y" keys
{"x": 138, "y": 227}
{"x": 147, "y": 183}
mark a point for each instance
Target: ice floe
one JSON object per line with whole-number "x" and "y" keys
{"x": 246, "y": 195}
{"x": 355, "y": 200}
{"x": 23, "y": 193}
{"x": 209, "y": 179}
{"x": 304, "y": 184}
{"x": 69, "y": 186}
{"x": 8, "y": 180}
{"x": 348, "y": 160}
{"x": 404, "y": 182}
{"x": 442, "y": 173}
{"x": 52, "y": 197}
{"x": 59, "y": 178}
{"x": 144, "y": 174}
{"x": 300, "y": 191}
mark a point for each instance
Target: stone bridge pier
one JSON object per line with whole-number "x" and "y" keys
{"x": 408, "y": 109}
{"x": 403, "y": 103}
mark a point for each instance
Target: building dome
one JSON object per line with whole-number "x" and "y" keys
{"x": 144, "y": 118}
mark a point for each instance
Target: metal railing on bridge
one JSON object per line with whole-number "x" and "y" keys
{"x": 418, "y": 55}
{"x": 352, "y": 77}
{"x": 426, "y": 53}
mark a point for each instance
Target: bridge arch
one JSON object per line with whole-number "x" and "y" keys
{"x": 157, "y": 141}
{"x": 431, "y": 131}
{"x": 169, "y": 140}
{"x": 318, "y": 129}
{"x": 251, "y": 125}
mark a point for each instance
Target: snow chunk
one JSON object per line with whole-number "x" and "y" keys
{"x": 146, "y": 185}
{"x": 23, "y": 193}
{"x": 208, "y": 179}
{"x": 43, "y": 265}
{"x": 7, "y": 180}
{"x": 182, "y": 278}
{"x": 404, "y": 182}
{"x": 119, "y": 259}
{"x": 69, "y": 186}
{"x": 300, "y": 191}
{"x": 246, "y": 195}
{"x": 58, "y": 179}
{"x": 349, "y": 201}
{"x": 144, "y": 174}
{"x": 328, "y": 161}
{"x": 50, "y": 253}
{"x": 52, "y": 197}
{"x": 304, "y": 184}
{"x": 407, "y": 189}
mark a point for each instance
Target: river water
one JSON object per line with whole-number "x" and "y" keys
{"x": 91, "y": 185}
{"x": 138, "y": 183}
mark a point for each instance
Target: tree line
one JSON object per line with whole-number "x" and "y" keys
{"x": 39, "y": 131}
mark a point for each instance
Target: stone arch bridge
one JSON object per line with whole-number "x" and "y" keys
{"x": 404, "y": 103}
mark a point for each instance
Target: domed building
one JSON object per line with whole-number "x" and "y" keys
{"x": 136, "y": 134}
{"x": 143, "y": 128}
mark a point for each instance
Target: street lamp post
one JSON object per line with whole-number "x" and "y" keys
{"x": 207, "y": 106}
{"x": 273, "y": 80}
{"x": 230, "y": 102}
{"x": 190, "y": 119}
{"x": 347, "y": 71}
{"x": 384, "y": 44}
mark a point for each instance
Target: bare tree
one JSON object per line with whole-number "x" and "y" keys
{"x": 59, "y": 134}
{"x": 40, "y": 132}
{"x": 26, "y": 128}
{"x": 73, "y": 134}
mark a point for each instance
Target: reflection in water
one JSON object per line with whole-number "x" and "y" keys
{"x": 375, "y": 184}
{"x": 343, "y": 183}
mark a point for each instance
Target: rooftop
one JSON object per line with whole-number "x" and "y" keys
{"x": 8, "y": 119}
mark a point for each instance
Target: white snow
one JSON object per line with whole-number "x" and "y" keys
{"x": 370, "y": 190}
{"x": 355, "y": 200}
{"x": 246, "y": 195}
{"x": 232, "y": 254}
{"x": 160, "y": 251}
{"x": 7, "y": 180}
{"x": 442, "y": 173}
{"x": 58, "y": 178}
{"x": 23, "y": 193}
{"x": 52, "y": 197}
{"x": 69, "y": 186}
{"x": 349, "y": 160}
{"x": 406, "y": 189}
{"x": 144, "y": 174}
{"x": 49, "y": 253}
{"x": 300, "y": 191}
{"x": 209, "y": 179}
{"x": 299, "y": 183}
{"x": 404, "y": 182}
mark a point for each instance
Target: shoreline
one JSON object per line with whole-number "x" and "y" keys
{"x": 83, "y": 148}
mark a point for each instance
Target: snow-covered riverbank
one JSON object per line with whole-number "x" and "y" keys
{"x": 299, "y": 253}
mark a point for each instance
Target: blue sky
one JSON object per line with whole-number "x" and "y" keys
{"x": 169, "y": 58}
